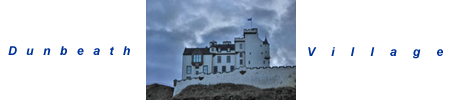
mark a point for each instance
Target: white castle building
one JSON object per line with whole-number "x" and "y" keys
{"x": 247, "y": 61}
{"x": 249, "y": 51}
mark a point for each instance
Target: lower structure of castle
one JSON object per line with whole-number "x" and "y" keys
{"x": 247, "y": 61}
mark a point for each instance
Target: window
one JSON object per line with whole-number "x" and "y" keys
{"x": 228, "y": 49}
{"x": 232, "y": 68}
{"x": 188, "y": 70}
{"x": 220, "y": 50}
{"x": 215, "y": 69}
{"x": 219, "y": 59}
{"x": 188, "y": 77}
{"x": 224, "y": 68}
{"x": 240, "y": 61}
{"x": 197, "y": 58}
{"x": 261, "y": 53}
{"x": 240, "y": 46}
{"x": 205, "y": 69}
{"x": 264, "y": 62}
{"x": 249, "y": 62}
{"x": 228, "y": 59}
{"x": 196, "y": 73}
{"x": 250, "y": 53}
{"x": 212, "y": 49}
{"x": 240, "y": 54}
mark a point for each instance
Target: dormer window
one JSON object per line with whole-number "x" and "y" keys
{"x": 197, "y": 58}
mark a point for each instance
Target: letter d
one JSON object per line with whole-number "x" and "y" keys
{"x": 15, "y": 50}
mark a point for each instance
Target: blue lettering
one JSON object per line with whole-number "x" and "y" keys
{"x": 15, "y": 50}
{"x": 416, "y": 55}
{"x": 332, "y": 53}
{"x": 63, "y": 50}
{"x": 28, "y": 51}
{"x": 80, "y": 51}
{"x": 97, "y": 51}
{"x": 125, "y": 50}
{"x": 439, "y": 52}
{"x": 310, "y": 53}
{"x": 47, "y": 51}
{"x": 112, "y": 48}
{"x": 372, "y": 51}
{"x": 353, "y": 50}
{"x": 393, "y": 52}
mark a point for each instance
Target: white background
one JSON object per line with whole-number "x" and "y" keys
{"x": 404, "y": 25}
{"x": 86, "y": 24}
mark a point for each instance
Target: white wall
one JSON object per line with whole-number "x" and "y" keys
{"x": 254, "y": 46}
{"x": 224, "y": 62}
{"x": 187, "y": 61}
{"x": 266, "y": 77}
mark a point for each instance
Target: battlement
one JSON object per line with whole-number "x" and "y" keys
{"x": 251, "y": 31}
{"x": 261, "y": 77}
{"x": 239, "y": 39}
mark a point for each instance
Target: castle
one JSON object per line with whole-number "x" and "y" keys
{"x": 247, "y": 51}
{"x": 247, "y": 61}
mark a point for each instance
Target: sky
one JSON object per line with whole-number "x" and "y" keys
{"x": 173, "y": 25}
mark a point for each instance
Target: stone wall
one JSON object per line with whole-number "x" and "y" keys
{"x": 261, "y": 77}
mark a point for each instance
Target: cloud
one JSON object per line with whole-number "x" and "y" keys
{"x": 173, "y": 25}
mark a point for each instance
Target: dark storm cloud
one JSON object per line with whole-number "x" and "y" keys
{"x": 173, "y": 25}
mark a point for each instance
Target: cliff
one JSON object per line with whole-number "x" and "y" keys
{"x": 223, "y": 91}
{"x": 159, "y": 92}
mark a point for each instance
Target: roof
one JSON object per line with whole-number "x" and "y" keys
{"x": 205, "y": 51}
{"x": 224, "y": 46}
{"x": 265, "y": 41}
{"x": 189, "y": 51}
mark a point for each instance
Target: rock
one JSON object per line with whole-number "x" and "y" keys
{"x": 230, "y": 91}
{"x": 224, "y": 91}
{"x": 159, "y": 92}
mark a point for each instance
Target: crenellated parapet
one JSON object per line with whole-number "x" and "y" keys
{"x": 261, "y": 77}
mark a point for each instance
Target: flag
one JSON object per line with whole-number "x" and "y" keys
{"x": 250, "y": 19}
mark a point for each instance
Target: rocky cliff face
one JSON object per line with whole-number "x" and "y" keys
{"x": 225, "y": 91}
{"x": 159, "y": 92}
{"x": 234, "y": 92}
